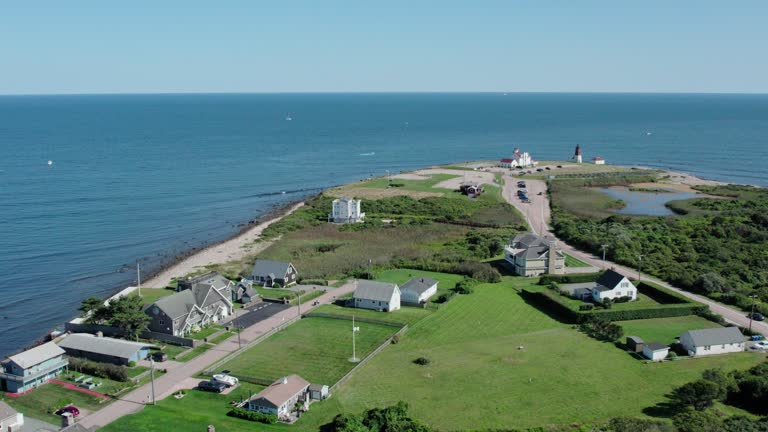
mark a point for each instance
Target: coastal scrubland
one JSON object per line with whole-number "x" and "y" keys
{"x": 714, "y": 245}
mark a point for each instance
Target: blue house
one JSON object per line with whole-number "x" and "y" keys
{"x": 104, "y": 349}
{"x": 32, "y": 368}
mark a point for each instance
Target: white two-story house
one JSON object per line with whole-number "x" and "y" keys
{"x": 346, "y": 210}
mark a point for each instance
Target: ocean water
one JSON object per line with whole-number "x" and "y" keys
{"x": 145, "y": 177}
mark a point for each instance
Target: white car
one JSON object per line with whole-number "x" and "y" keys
{"x": 226, "y": 379}
{"x": 760, "y": 345}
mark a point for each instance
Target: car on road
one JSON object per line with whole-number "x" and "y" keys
{"x": 225, "y": 379}
{"x": 521, "y": 184}
{"x": 559, "y": 166}
{"x": 69, "y": 409}
{"x": 159, "y": 356}
{"x": 760, "y": 345}
{"x": 539, "y": 169}
{"x": 212, "y": 386}
{"x": 757, "y": 316}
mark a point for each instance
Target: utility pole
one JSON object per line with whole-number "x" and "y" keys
{"x": 639, "y": 263}
{"x": 138, "y": 276}
{"x": 604, "y": 247}
{"x": 152, "y": 363}
{"x": 752, "y": 314}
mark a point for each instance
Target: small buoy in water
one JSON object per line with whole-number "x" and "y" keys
{"x": 50, "y": 162}
{"x": 283, "y": 192}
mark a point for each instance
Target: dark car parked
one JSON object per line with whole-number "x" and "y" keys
{"x": 159, "y": 356}
{"x": 757, "y": 316}
{"x": 212, "y": 386}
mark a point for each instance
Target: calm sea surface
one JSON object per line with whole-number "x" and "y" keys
{"x": 146, "y": 177}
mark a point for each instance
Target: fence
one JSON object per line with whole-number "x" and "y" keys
{"x": 369, "y": 356}
{"x": 358, "y": 319}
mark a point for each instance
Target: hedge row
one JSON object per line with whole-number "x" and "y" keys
{"x": 661, "y": 294}
{"x": 252, "y": 415}
{"x": 569, "y": 278}
{"x": 101, "y": 370}
{"x": 555, "y": 303}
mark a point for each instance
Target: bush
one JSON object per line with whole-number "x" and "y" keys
{"x": 422, "y": 361}
{"x": 131, "y": 363}
{"x": 256, "y": 416}
{"x": 276, "y": 285}
{"x": 445, "y": 297}
{"x": 571, "y": 278}
{"x": 395, "y": 339}
{"x": 586, "y": 307}
{"x": 465, "y": 286}
{"x": 321, "y": 282}
{"x": 101, "y": 370}
{"x": 480, "y": 271}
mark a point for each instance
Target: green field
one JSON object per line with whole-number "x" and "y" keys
{"x": 405, "y": 315}
{"x": 572, "y": 261}
{"x": 664, "y": 330}
{"x": 317, "y": 349}
{"x": 479, "y": 379}
{"x": 38, "y": 402}
{"x": 414, "y": 185}
{"x": 151, "y": 295}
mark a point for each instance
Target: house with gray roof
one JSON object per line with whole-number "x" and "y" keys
{"x": 10, "y": 419}
{"x": 610, "y": 285}
{"x": 378, "y": 296}
{"x": 281, "y": 397}
{"x": 187, "y": 311}
{"x": 530, "y": 255}
{"x": 32, "y": 368}
{"x": 268, "y": 273}
{"x": 418, "y": 290}
{"x": 712, "y": 341}
{"x": 104, "y": 349}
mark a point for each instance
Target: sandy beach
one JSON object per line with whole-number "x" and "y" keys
{"x": 235, "y": 248}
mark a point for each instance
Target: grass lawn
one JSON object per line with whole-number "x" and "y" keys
{"x": 222, "y": 337}
{"x": 136, "y": 371}
{"x": 479, "y": 379}
{"x": 107, "y": 386}
{"x": 406, "y": 315}
{"x": 414, "y": 185}
{"x": 194, "y": 352}
{"x": 664, "y": 330}
{"x": 38, "y": 402}
{"x": 204, "y": 333}
{"x": 572, "y": 261}
{"x": 318, "y": 349}
{"x": 274, "y": 292}
{"x": 151, "y": 295}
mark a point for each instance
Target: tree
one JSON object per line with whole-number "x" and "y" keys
{"x": 127, "y": 314}
{"x": 744, "y": 424}
{"x": 90, "y": 305}
{"x": 726, "y": 383}
{"x": 697, "y": 421}
{"x": 709, "y": 283}
{"x": 698, "y": 394}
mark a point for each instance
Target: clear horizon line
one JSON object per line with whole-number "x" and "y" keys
{"x": 377, "y": 92}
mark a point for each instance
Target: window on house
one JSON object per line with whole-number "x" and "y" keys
{"x": 707, "y": 347}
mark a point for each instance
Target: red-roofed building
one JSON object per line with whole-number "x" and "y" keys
{"x": 598, "y": 160}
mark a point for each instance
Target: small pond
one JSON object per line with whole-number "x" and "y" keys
{"x": 646, "y": 203}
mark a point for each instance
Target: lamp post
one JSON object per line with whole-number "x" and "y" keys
{"x": 752, "y": 314}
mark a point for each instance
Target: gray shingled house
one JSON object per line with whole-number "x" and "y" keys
{"x": 531, "y": 255}
{"x": 269, "y": 273}
{"x": 418, "y": 290}
{"x": 203, "y": 302}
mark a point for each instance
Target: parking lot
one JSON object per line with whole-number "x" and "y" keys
{"x": 258, "y": 312}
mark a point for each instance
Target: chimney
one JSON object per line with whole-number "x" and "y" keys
{"x": 99, "y": 334}
{"x": 211, "y": 428}
{"x": 285, "y": 380}
{"x": 552, "y": 262}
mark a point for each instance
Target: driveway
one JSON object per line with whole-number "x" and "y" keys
{"x": 177, "y": 377}
{"x": 538, "y": 216}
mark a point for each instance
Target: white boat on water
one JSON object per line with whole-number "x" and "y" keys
{"x": 288, "y": 118}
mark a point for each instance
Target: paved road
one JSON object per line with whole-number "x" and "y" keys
{"x": 538, "y": 215}
{"x": 178, "y": 375}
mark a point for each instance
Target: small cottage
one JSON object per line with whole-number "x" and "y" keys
{"x": 635, "y": 344}
{"x": 281, "y": 397}
{"x": 378, "y": 296}
{"x": 318, "y": 392}
{"x": 712, "y": 341}
{"x": 655, "y": 351}
{"x": 418, "y": 290}
{"x": 104, "y": 349}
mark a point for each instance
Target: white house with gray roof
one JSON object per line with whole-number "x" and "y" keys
{"x": 104, "y": 349}
{"x": 531, "y": 255}
{"x": 712, "y": 341}
{"x": 281, "y": 397}
{"x": 418, "y": 290}
{"x": 610, "y": 285}
{"x": 268, "y": 273}
{"x": 378, "y": 296}
{"x": 188, "y": 310}
{"x": 10, "y": 419}
{"x": 32, "y": 368}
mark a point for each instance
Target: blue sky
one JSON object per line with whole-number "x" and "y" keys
{"x": 355, "y": 46}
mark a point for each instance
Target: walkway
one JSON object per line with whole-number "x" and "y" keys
{"x": 537, "y": 214}
{"x": 172, "y": 381}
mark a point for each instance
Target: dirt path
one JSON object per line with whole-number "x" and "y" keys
{"x": 231, "y": 250}
{"x": 179, "y": 375}
{"x": 538, "y": 216}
